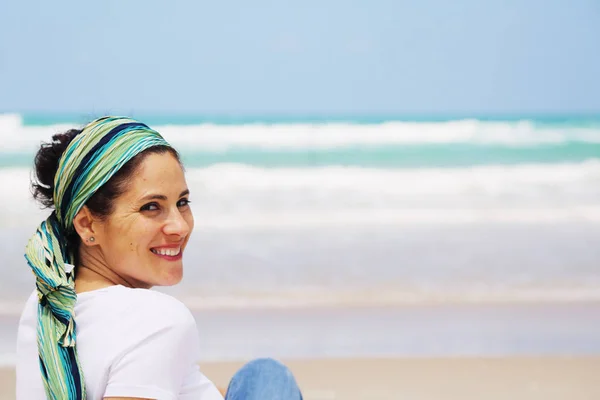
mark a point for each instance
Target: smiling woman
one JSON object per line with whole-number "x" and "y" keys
{"x": 120, "y": 225}
{"x": 153, "y": 222}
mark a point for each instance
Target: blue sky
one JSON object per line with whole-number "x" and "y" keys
{"x": 300, "y": 57}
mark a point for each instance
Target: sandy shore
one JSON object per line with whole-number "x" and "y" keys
{"x": 528, "y": 378}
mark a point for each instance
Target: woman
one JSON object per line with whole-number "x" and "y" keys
{"x": 120, "y": 225}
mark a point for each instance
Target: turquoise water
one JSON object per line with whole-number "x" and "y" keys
{"x": 411, "y": 156}
{"x": 379, "y": 141}
{"x": 581, "y": 120}
{"x": 386, "y": 156}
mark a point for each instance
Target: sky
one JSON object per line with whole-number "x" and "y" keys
{"x": 300, "y": 57}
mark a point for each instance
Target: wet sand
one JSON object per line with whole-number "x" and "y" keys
{"x": 490, "y": 378}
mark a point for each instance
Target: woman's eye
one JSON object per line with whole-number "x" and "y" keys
{"x": 149, "y": 207}
{"x": 183, "y": 203}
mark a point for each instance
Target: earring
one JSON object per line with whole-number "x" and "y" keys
{"x": 92, "y": 239}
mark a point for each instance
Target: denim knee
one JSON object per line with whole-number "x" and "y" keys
{"x": 266, "y": 363}
{"x": 264, "y": 379}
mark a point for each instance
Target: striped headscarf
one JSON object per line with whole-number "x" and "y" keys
{"x": 88, "y": 162}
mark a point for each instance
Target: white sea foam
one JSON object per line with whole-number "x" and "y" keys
{"x": 231, "y": 195}
{"x": 14, "y": 136}
{"x": 490, "y": 180}
{"x": 237, "y": 195}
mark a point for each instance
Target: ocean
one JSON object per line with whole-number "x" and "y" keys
{"x": 334, "y": 212}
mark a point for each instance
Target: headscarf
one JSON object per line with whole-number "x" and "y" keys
{"x": 88, "y": 162}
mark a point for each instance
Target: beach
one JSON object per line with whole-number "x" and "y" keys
{"x": 397, "y": 200}
{"x": 434, "y": 351}
{"x": 433, "y": 259}
{"x": 464, "y": 378}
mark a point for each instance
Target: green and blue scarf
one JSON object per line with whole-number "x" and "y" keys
{"x": 88, "y": 162}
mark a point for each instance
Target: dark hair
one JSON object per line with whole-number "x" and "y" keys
{"x": 101, "y": 203}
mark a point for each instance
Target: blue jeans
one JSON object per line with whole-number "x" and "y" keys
{"x": 263, "y": 379}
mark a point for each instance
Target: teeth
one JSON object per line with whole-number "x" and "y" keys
{"x": 167, "y": 252}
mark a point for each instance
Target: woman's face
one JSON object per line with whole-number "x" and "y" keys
{"x": 143, "y": 239}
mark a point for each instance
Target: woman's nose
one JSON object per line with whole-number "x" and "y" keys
{"x": 176, "y": 224}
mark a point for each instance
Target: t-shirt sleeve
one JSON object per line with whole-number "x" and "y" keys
{"x": 161, "y": 361}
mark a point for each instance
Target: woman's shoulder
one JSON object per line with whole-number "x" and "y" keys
{"x": 153, "y": 298}
{"x": 131, "y": 330}
{"x": 137, "y": 306}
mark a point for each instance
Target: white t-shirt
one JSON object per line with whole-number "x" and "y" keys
{"x": 130, "y": 342}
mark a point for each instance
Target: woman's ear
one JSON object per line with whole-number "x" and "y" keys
{"x": 85, "y": 225}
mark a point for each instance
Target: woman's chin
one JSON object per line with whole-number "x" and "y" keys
{"x": 173, "y": 278}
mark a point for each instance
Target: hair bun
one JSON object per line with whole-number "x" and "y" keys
{"x": 46, "y": 165}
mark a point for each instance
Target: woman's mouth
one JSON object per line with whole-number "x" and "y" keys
{"x": 168, "y": 253}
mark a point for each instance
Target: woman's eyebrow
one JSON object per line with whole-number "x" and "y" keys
{"x": 162, "y": 196}
{"x": 154, "y": 197}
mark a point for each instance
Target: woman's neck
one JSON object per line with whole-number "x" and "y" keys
{"x": 93, "y": 273}
{"x": 87, "y": 279}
